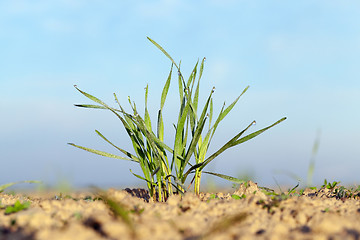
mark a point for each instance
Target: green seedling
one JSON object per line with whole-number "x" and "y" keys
{"x": 213, "y": 196}
{"x": 345, "y": 193}
{"x": 237, "y": 197}
{"x": 18, "y": 206}
{"x": 326, "y": 210}
{"x": 282, "y": 195}
{"x": 62, "y": 197}
{"x": 119, "y": 210}
{"x": 270, "y": 205}
{"x": 330, "y": 185}
{"x": 78, "y": 215}
{"x": 166, "y": 168}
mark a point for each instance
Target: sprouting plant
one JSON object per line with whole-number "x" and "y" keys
{"x": 326, "y": 210}
{"x": 345, "y": 193}
{"x": 329, "y": 185}
{"x": 119, "y": 210}
{"x": 235, "y": 196}
{"x": 283, "y": 195}
{"x": 18, "y": 206}
{"x": 166, "y": 168}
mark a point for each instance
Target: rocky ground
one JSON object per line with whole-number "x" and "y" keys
{"x": 247, "y": 213}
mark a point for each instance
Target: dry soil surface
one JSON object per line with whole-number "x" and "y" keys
{"x": 316, "y": 214}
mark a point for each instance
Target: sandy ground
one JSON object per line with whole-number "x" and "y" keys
{"x": 316, "y": 214}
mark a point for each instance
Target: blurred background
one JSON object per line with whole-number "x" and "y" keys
{"x": 301, "y": 60}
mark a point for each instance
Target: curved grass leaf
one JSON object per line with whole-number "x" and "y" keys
{"x": 4, "y": 186}
{"x": 89, "y": 106}
{"x": 234, "y": 141}
{"x": 147, "y": 116}
{"x": 120, "y": 149}
{"x": 201, "y": 68}
{"x": 191, "y": 169}
{"x": 178, "y": 145}
{"x": 192, "y": 146}
{"x": 225, "y": 112}
{"x": 161, "y": 49}
{"x": 252, "y": 135}
{"x": 101, "y": 153}
{"x": 142, "y": 178}
{"x": 226, "y": 146}
{"x": 91, "y": 97}
{"x": 226, "y": 177}
{"x": 165, "y": 89}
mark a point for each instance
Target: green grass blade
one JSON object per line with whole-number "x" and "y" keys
{"x": 142, "y": 178}
{"x": 161, "y": 49}
{"x": 191, "y": 169}
{"x": 211, "y": 112}
{"x": 226, "y": 177}
{"x": 192, "y": 77}
{"x": 225, "y": 146}
{"x": 101, "y": 153}
{"x": 120, "y": 149}
{"x": 181, "y": 86}
{"x": 89, "y": 106}
{"x": 147, "y": 116}
{"x": 178, "y": 144}
{"x": 137, "y": 142}
{"x": 160, "y": 128}
{"x": 4, "y": 186}
{"x": 91, "y": 97}
{"x": 223, "y": 114}
{"x": 132, "y": 131}
{"x": 155, "y": 171}
{"x": 192, "y": 146}
{"x": 150, "y": 135}
{"x": 233, "y": 142}
{"x": 160, "y": 122}
{"x": 205, "y": 109}
{"x": 252, "y": 135}
{"x": 201, "y": 68}
{"x": 135, "y": 136}
{"x": 119, "y": 210}
{"x": 196, "y": 96}
{"x": 194, "y": 102}
{"x": 165, "y": 89}
{"x": 203, "y": 147}
{"x": 155, "y": 147}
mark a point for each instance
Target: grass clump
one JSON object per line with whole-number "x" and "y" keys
{"x": 166, "y": 167}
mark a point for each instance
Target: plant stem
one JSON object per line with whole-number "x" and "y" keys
{"x": 197, "y": 181}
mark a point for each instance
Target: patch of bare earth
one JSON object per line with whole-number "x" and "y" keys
{"x": 316, "y": 214}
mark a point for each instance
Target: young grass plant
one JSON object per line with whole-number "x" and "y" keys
{"x": 17, "y": 207}
{"x": 192, "y": 138}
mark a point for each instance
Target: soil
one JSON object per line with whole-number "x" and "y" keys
{"x": 247, "y": 213}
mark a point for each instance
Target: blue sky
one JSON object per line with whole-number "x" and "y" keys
{"x": 301, "y": 60}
